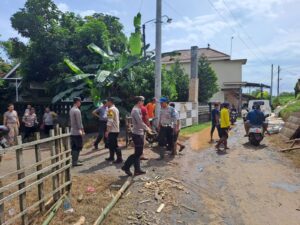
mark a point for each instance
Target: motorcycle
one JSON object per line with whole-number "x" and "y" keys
{"x": 152, "y": 137}
{"x": 233, "y": 117}
{"x": 256, "y": 135}
{"x": 3, "y": 132}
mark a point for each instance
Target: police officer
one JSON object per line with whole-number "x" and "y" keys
{"x": 77, "y": 131}
{"x": 166, "y": 126}
{"x": 112, "y": 132}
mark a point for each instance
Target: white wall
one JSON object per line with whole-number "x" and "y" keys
{"x": 226, "y": 70}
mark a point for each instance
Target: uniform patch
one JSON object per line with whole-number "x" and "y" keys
{"x": 110, "y": 114}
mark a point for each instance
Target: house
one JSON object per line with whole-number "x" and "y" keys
{"x": 228, "y": 71}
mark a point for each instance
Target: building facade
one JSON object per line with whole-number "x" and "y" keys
{"x": 228, "y": 71}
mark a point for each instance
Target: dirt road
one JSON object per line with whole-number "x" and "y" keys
{"x": 247, "y": 186}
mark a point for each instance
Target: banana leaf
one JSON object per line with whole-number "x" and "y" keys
{"x": 78, "y": 77}
{"x": 102, "y": 75}
{"x": 65, "y": 93}
{"x": 135, "y": 44}
{"x": 94, "y": 48}
{"x": 137, "y": 20}
{"x": 72, "y": 66}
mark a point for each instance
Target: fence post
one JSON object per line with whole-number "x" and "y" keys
{"x": 67, "y": 148}
{"x": 38, "y": 158}
{"x": 20, "y": 165}
{"x": 2, "y": 205}
{"x": 55, "y": 179}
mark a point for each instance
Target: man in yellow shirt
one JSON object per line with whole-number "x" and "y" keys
{"x": 224, "y": 125}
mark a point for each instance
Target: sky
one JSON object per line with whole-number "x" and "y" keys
{"x": 264, "y": 32}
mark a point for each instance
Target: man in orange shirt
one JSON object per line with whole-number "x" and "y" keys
{"x": 151, "y": 108}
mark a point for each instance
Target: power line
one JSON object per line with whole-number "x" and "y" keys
{"x": 181, "y": 15}
{"x": 141, "y": 5}
{"x": 230, "y": 26}
{"x": 244, "y": 30}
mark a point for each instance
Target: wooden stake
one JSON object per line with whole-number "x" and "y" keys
{"x": 38, "y": 158}
{"x": 20, "y": 165}
{"x": 289, "y": 149}
{"x": 113, "y": 201}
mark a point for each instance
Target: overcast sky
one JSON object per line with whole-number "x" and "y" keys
{"x": 264, "y": 31}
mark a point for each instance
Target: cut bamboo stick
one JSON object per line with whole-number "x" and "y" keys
{"x": 107, "y": 209}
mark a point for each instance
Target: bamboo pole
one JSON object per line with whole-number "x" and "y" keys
{"x": 54, "y": 210}
{"x": 113, "y": 201}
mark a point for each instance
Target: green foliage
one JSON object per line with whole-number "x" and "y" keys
{"x": 289, "y": 109}
{"x": 283, "y": 99}
{"x": 264, "y": 96}
{"x": 4, "y": 67}
{"x": 54, "y": 36}
{"x": 181, "y": 82}
{"x": 207, "y": 80}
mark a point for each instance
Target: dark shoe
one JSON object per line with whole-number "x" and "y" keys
{"x": 95, "y": 147}
{"x": 143, "y": 158}
{"x": 181, "y": 148}
{"x": 109, "y": 159}
{"x": 118, "y": 161}
{"x": 77, "y": 164}
{"x": 139, "y": 172}
{"x": 127, "y": 171}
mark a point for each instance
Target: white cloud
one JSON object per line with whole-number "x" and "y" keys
{"x": 266, "y": 8}
{"x": 88, "y": 12}
{"x": 63, "y": 7}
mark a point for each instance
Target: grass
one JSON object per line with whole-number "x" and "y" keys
{"x": 283, "y": 100}
{"x": 289, "y": 109}
{"x": 194, "y": 129}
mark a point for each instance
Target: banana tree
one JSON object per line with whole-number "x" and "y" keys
{"x": 112, "y": 67}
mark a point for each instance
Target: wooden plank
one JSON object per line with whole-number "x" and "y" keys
{"x": 68, "y": 155}
{"x": 22, "y": 196}
{"x": 31, "y": 166}
{"x": 1, "y": 206}
{"x": 289, "y": 141}
{"x": 33, "y": 175}
{"x": 32, "y": 185}
{"x": 41, "y": 141}
{"x": 55, "y": 179}
{"x": 12, "y": 220}
{"x": 38, "y": 158}
{"x": 289, "y": 149}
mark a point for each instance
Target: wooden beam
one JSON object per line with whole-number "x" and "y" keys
{"x": 107, "y": 209}
{"x": 33, "y": 165}
{"x": 22, "y": 196}
{"x": 38, "y": 158}
{"x": 55, "y": 179}
{"x": 289, "y": 149}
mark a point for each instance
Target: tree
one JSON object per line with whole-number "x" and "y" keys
{"x": 207, "y": 80}
{"x": 181, "y": 82}
{"x": 54, "y": 35}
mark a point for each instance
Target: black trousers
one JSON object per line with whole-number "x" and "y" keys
{"x": 47, "y": 129}
{"x": 28, "y": 131}
{"x": 101, "y": 133}
{"x": 76, "y": 146}
{"x": 166, "y": 137}
{"x": 213, "y": 127}
{"x": 113, "y": 146}
{"x": 134, "y": 159}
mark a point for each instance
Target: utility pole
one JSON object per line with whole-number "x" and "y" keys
{"x": 231, "y": 46}
{"x": 278, "y": 80}
{"x": 271, "y": 90}
{"x": 157, "y": 90}
{"x": 144, "y": 39}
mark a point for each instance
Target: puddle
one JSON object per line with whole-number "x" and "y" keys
{"x": 286, "y": 186}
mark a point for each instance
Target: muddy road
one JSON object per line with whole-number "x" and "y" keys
{"x": 247, "y": 186}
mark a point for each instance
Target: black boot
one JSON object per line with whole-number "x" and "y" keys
{"x": 111, "y": 156}
{"x": 126, "y": 170}
{"x": 75, "y": 156}
{"x": 137, "y": 168}
{"x": 119, "y": 156}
